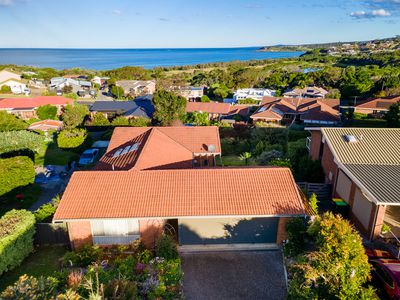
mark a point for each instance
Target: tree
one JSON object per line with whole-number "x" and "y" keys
{"x": 197, "y": 118}
{"x": 169, "y": 107}
{"x": 337, "y": 269}
{"x": 245, "y": 156}
{"x": 139, "y": 122}
{"x": 67, "y": 89}
{"x": 9, "y": 122}
{"x": 120, "y": 121}
{"x": 313, "y": 203}
{"x": 117, "y": 91}
{"x": 393, "y": 116}
{"x": 333, "y": 94}
{"x": 205, "y": 98}
{"x": 74, "y": 115}
{"x": 99, "y": 119}
{"x": 47, "y": 112}
{"x": 71, "y": 138}
{"x": 5, "y": 89}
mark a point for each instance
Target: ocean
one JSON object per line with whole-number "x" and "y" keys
{"x": 105, "y": 59}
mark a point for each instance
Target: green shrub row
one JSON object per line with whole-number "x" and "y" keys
{"x": 15, "y": 172}
{"x": 17, "y": 228}
{"x": 71, "y": 138}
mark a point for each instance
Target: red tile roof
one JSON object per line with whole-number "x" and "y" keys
{"x": 16, "y": 103}
{"x": 180, "y": 193}
{"x": 159, "y": 147}
{"x": 379, "y": 103}
{"x": 209, "y": 107}
{"x": 46, "y": 125}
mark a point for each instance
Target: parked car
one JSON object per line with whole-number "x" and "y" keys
{"x": 386, "y": 273}
{"x": 88, "y": 157}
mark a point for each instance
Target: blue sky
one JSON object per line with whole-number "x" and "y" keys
{"x": 190, "y": 23}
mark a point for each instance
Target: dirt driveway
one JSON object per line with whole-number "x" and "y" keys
{"x": 234, "y": 275}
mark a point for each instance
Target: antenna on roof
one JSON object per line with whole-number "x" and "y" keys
{"x": 211, "y": 148}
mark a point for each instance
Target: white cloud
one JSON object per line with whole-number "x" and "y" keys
{"x": 376, "y": 13}
{"x": 114, "y": 12}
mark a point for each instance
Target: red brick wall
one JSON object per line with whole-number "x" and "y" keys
{"x": 329, "y": 165}
{"x": 315, "y": 146}
{"x": 150, "y": 230}
{"x": 80, "y": 233}
{"x": 375, "y": 228}
{"x": 281, "y": 234}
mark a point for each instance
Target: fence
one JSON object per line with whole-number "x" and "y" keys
{"x": 51, "y": 234}
{"x": 322, "y": 190}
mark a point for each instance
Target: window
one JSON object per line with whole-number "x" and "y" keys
{"x": 115, "y": 227}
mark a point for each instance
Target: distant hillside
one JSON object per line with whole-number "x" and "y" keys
{"x": 309, "y": 47}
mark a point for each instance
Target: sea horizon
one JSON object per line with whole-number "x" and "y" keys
{"x": 149, "y": 58}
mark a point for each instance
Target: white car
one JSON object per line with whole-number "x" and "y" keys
{"x": 88, "y": 157}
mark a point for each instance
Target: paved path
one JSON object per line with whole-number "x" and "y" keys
{"x": 234, "y": 275}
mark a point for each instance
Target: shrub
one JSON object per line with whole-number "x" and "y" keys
{"x": 139, "y": 122}
{"x": 15, "y": 172}
{"x": 45, "y": 212}
{"x": 47, "y": 112}
{"x": 71, "y": 138}
{"x": 284, "y": 163}
{"x": 99, "y": 119}
{"x": 296, "y": 231}
{"x": 267, "y": 156}
{"x": 117, "y": 91}
{"x": 28, "y": 287}
{"x": 120, "y": 121}
{"x": 84, "y": 256}
{"x": 17, "y": 228}
{"x": 9, "y": 122}
{"x": 19, "y": 140}
{"x": 205, "y": 98}
{"x": 74, "y": 115}
{"x": 314, "y": 203}
{"x": 5, "y": 89}
{"x": 120, "y": 289}
{"x": 166, "y": 247}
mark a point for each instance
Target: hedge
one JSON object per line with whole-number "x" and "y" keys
{"x": 47, "y": 112}
{"x": 19, "y": 140}
{"x": 15, "y": 172}
{"x": 71, "y": 138}
{"x": 17, "y": 228}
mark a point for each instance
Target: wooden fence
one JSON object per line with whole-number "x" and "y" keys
{"x": 51, "y": 234}
{"x": 322, "y": 190}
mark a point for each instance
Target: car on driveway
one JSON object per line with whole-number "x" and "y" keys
{"x": 88, "y": 157}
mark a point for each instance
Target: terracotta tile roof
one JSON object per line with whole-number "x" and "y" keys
{"x": 209, "y": 107}
{"x": 379, "y": 103}
{"x": 46, "y": 125}
{"x": 180, "y": 193}
{"x": 16, "y": 103}
{"x": 158, "y": 147}
{"x": 239, "y": 109}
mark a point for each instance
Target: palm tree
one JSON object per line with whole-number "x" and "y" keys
{"x": 245, "y": 156}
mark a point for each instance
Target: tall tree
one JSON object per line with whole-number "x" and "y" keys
{"x": 169, "y": 107}
{"x": 393, "y": 116}
{"x": 74, "y": 115}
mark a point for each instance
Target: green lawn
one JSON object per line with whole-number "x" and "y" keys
{"x": 50, "y": 154}
{"x": 10, "y": 200}
{"x": 234, "y": 161}
{"x": 44, "y": 261}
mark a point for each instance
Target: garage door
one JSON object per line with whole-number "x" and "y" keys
{"x": 227, "y": 231}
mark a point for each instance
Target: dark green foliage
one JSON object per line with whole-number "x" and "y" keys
{"x": 169, "y": 107}
{"x": 15, "y": 172}
{"x": 99, "y": 119}
{"x": 71, "y": 138}
{"x": 197, "y": 118}
{"x": 17, "y": 228}
{"x": 129, "y": 73}
{"x": 393, "y": 116}
{"x": 296, "y": 230}
{"x": 248, "y": 101}
{"x": 20, "y": 140}
{"x": 139, "y": 122}
{"x": 117, "y": 91}
{"x": 205, "y": 98}
{"x": 267, "y": 156}
{"x": 45, "y": 212}
{"x": 74, "y": 115}
{"x": 310, "y": 171}
{"x": 9, "y": 122}
{"x": 120, "y": 121}
{"x": 166, "y": 247}
{"x": 284, "y": 163}
{"x": 84, "y": 256}
{"x": 5, "y": 89}
{"x": 47, "y": 112}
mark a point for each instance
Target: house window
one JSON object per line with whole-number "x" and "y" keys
{"x": 109, "y": 232}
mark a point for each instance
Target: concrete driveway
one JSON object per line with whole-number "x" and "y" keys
{"x": 234, "y": 275}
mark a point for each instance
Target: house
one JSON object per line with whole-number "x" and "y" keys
{"x": 252, "y": 93}
{"x": 99, "y": 80}
{"x": 6, "y": 75}
{"x": 58, "y": 83}
{"x": 16, "y": 86}
{"x": 26, "y": 107}
{"x": 376, "y": 107}
{"x": 130, "y": 109}
{"x": 300, "y": 110}
{"x": 307, "y": 92}
{"x": 363, "y": 167}
{"x": 46, "y": 125}
{"x": 215, "y": 110}
{"x": 150, "y": 179}
{"x": 137, "y": 87}
{"x": 191, "y": 93}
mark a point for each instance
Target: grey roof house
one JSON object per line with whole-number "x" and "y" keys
{"x": 130, "y": 109}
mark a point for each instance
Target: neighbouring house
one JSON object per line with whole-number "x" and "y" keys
{"x": 137, "y": 87}
{"x": 16, "y": 86}
{"x": 363, "y": 167}
{"x": 191, "y": 93}
{"x": 252, "y": 93}
{"x": 130, "y": 109}
{"x": 78, "y": 86}
{"x": 215, "y": 110}
{"x": 99, "y": 80}
{"x": 376, "y": 107}
{"x": 150, "y": 180}
{"x": 6, "y": 75}
{"x": 307, "y": 92}
{"x": 286, "y": 111}
{"x": 26, "y": 107}
{"x": 46, "y": 125}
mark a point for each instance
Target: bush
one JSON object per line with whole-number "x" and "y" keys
{"x": 296, "y": 231}
{"x": 47, "y": 112}
{"x": 5, "y": 89}
{"x": 139, "y": 122}
{"x": 84, "y": 256}
{"x": 117, "y": 91}
{"x": 205, "y": 98}
{"x": 9, "y": 122}
{"x": 15, "y": 172}
{"x": 74, "y": 115}
{"x": 17, "y": 228}
{"x": 20, "y": 140}
{"x": 99, "y": 119}
{"x": 120, "y": 121}
{"x": 166, "y": 247}
{"x": 267, "y": 156}
{"x": 71, "y": 138}
{"x": 45, "y": 212}
{"x": 28, "y": 287}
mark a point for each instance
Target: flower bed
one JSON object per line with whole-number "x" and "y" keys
{"x": 119, "y": 272}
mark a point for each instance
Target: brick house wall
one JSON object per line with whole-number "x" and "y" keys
{"x": 150, "y": 230}
{"x": 80, "y": 233}
{"x": 315, "y": 145}
{"x": 281, "y": 234}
